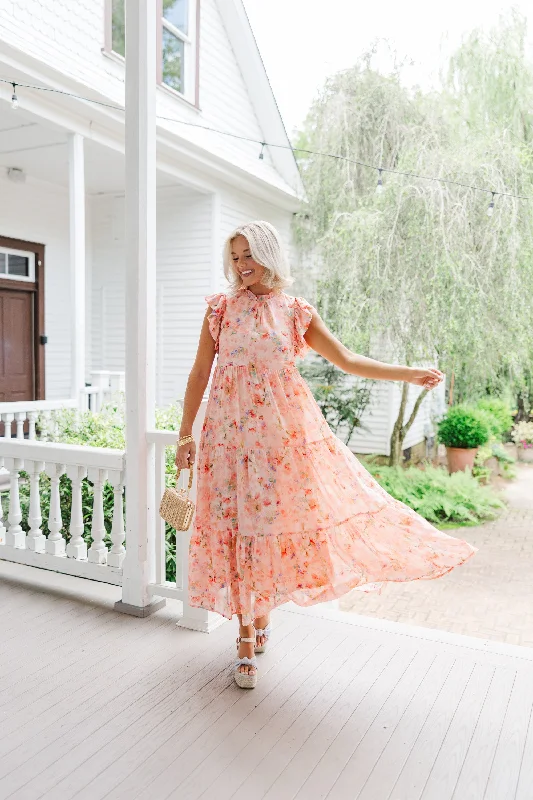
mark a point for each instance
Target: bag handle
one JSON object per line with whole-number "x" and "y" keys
{"x": 189, "y": 487}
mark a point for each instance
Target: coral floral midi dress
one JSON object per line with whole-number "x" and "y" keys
{"x": 284, "y": 510}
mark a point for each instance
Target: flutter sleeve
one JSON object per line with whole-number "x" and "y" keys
{"x": 217, "y": 303}
{"x": 303, "y": 314}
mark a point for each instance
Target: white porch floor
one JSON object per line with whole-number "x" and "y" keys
{"x": 95, "y": 704}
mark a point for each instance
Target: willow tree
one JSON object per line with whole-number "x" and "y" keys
{"x": 421, "y": 265}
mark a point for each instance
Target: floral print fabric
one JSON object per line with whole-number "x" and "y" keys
{"x": 284, "y": 510}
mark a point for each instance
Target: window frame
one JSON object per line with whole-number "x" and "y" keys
{"x": 191, "y": 56}
{"x": 11, "y": 251}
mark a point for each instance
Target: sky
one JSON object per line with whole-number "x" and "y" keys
{"x": 304, "y": 41}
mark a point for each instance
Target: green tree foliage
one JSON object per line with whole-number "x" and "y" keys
{"x": 422, "y": 264}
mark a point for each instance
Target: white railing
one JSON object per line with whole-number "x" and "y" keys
{"x": 72, "y": 556}
{"x": 104, "y": 385}
{"x": 33, "y": 548}
{"x": 16, "y": 415}
{"x": 194, "y": 618}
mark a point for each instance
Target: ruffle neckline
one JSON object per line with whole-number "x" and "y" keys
{"x": 253, "y": 296}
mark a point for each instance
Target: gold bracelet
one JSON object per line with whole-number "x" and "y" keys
{"x": 185, "y": 440}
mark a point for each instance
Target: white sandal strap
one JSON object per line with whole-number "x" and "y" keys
{"x": 250, "y": 662}
{"x": 263, "y": 631}
{"x": 242, "y": 639}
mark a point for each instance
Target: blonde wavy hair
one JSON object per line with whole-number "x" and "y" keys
{"x": 266, "y": 248}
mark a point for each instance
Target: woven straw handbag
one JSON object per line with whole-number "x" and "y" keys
{"x": 176, "y": 508}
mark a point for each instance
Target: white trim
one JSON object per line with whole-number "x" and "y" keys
{"x": 77, "y": 262}
{"x": 246, "y": 51}
{"x": 10, "y": 251}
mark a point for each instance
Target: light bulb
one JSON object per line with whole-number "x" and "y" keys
{"x": 14, "y": 98}
{"x": 379, "y": 187}
{"x": 490, "y": 210}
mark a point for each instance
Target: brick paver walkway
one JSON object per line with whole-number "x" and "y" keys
{"x": 490, "y": 596}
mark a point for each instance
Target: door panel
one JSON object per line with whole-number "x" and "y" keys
{"x": 16, "y": 346}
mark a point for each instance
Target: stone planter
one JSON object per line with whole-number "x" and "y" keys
{"x": 460, "y": 459}
{"x": 525, "y": 454}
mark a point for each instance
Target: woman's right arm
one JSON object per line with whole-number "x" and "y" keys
{"x": 196, "y": 386}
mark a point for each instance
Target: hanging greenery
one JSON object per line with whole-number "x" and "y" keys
{"x": 420, "y": 266}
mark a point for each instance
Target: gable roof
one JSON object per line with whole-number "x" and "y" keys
{"x": 246, "y": 51}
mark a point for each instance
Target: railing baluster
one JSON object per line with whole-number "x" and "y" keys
{"x": 7, "y": 420}
{"x": 55, "y": 544}
{"x": 117, "y": 552}
{"x": 35, "y": 540}
{"x": 97, "y": 553}
{"x": 20, "y": 418}
{"x": 2, "y": 525}
{"x": 15, "y": 536}
{"x": 32, "y": 419}
{"x": 77, "y": 547}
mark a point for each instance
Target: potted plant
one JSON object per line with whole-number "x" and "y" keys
{"x": 462, "y": 431}
{"x": 522, "y": 436}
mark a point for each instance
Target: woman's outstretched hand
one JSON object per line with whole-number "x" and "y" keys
{"x": 185, "y": 455}
{"x": 428, "y": 378}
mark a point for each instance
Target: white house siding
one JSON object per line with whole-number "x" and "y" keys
{"x": 69, "y": 37}
{"x": 39, "y": 212}
{"x": 184, "y": 261}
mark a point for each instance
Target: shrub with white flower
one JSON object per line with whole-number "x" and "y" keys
{"x": 523, "y": 434}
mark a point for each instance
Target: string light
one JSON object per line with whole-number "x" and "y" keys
{"x": 379, "y": 187}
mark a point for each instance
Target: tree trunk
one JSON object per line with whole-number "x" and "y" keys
{"x": 400, "y": 430}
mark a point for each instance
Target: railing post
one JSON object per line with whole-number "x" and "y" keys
{"x": 140, "y": 151}
{"x": 7, "y": 420}
{"x": 32, "y": 419}
{"x": 20, "y": 418}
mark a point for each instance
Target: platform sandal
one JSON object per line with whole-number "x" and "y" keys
{"x": 260, "y": 648}
{"x": 243, "y": 679}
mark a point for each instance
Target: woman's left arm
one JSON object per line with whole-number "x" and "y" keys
{"x": 320, "y": 338}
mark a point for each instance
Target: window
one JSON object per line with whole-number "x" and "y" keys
{"x": 17, "y": 265}
{"x": 177, "y": 42}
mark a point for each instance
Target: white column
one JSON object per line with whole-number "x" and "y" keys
{"x": 77, "y": 263}
{"x": 140, "y": 137}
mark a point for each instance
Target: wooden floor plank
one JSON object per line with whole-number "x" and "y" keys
{"x": 503, "y": 779}
{"x": 139, "y": 709}
{"x": 477, "y": 764}
{"x": 447, "y": 767}
{"x": 366, "y": 696}
{"x": 198, "y": 766}
{"x": 281, "y": 771}
{"x": 186, "y": 712}
{"x": 419, "y": 762}
{"x": 388, "y": 767}
{"x": 292, "y": 725}
{"x": 369, "y": 749}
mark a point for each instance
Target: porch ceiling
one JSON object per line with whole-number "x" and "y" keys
{"x": 41, "y": 150}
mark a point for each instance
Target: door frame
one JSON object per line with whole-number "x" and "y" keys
{"x": 37, "y": 290}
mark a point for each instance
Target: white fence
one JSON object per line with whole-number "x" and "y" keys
{"x": 20, "y": 418}
{"x": 71, "y": 554}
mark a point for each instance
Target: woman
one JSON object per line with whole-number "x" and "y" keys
{"x": 284, "y": 509}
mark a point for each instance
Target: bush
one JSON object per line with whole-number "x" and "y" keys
{"x": 464, "y": 426}
{"x": 499, "y": 412}
{"x": 523, "y": 434}
{"x": 105, "y": 429}
{"x": 438, "y": 496}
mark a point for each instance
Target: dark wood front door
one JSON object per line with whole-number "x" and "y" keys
{"x": 21, "y": 320}
{"x": 17, "y": 369}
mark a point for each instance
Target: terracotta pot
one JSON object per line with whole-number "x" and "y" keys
{"x": 460, "y": 458}
{"x": 525, "y": 454}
